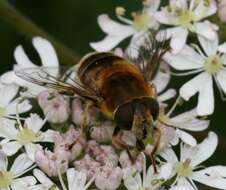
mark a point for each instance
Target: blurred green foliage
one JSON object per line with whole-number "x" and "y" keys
{"x": 74, "y": 23}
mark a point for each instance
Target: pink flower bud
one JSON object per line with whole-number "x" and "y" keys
{"x": 222, "y": 10}
{"x": 88, "y": 164}
{"x": 73, "y": 142}
{"x": 78, "y": 110}
{"x": 55, "y": 106}
{"x": 102, "y": 153}
{"x": 126, "y": 162}
{"x": 108, "y": 178}
{"x": 103, "y": 133}
{"x": 107, "y": 155}
{"x": 50, "y": 162}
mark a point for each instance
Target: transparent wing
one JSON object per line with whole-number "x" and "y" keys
{"x": 146, "y": 52}
{"x": 62, "y": 79}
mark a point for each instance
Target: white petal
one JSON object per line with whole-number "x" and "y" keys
{"x": 222, "y": 48}
{"x": 10, "y": 77}
{"x": 210, "y": 46}
{"x": 39, "y": 187}
{"x": 48, "y": 136}
{"x": 18, "y": 185}
{"x": 23, "y": 183}
{"x": 22, "y": 59}
{"x": 184, "y": 182}
{"x": 10, "y": 148}
{"x": 8, "y": 129}
{"x": 214, "y": 176}
{"x": 31, "y": 150}
{"x": 27, "y": 180}
{"x": 133, "y": 183}
{"x": 21, "y": 163}
{"x": 178, "y": 40}
{"x": 170, "y": 93}
{"x": 42, "y": 178}
{"x": 189, "y": 121}
{"x": 187, "y": 59}
{"x": 205, "y": 149}
{"x": 76, "y": 179}
{"x": 165, "y": 171}
{"x": 169, "y": 155}
{"x": 165, "y": 17}
{"x": 110, "y": 26}
{"x": 180, "y": 187}
{"x": 116, "y": 33}
{"x": 7, "y": 93}
{"x": 46, "y": 52}
{"x": 186, "y": 137}
{"x": 162, "y": 79}
{"x": 152, "y": 8}
{"x": 34, "y": 122}
{"x": 203, "y": 84}
{"x": 23, "y": 106}
{"x": 221, "y": 78}
{"x": 206, "y": 30}
{"x": 202, "y": 11}
{"x": 108, "y": 43}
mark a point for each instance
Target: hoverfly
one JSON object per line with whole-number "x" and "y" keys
{"x": 119, "y": 86}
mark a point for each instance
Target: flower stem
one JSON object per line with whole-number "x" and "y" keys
{"x": 26, "y": 27}
{"x": 178, "y": 100}
{"x": 60, "y": 178}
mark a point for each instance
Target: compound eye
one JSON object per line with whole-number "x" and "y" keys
{"x": 124, "y": 116}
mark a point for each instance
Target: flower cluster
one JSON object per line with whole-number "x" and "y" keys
{"x": 50, "y": 141}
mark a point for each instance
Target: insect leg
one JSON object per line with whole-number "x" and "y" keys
{"x": 157, "y": 137}
{"x": 117, "y": 142}
{"x": 84, "y": 123}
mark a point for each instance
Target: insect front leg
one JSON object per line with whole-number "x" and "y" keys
{"x": 118, "y": 144}
{"x": 84, "y": 124}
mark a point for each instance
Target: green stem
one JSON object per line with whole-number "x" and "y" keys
{"x": 26, "y": 27}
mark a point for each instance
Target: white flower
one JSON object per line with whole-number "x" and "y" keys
{"x": 48, "y": 58}
{"x": 117, "y": 32}
{"x": 10, "y": 106}
{"x": 151, "y": 180}
{"x": 76, "y": 180}
{"x": 186, "y": 15}
{"x": 186, "y": 121}
{"x": 210, "y": 65}
{"x": 187, "y": 168}
{"x": 15, "y": 138}
{"x": 11, "y": 178}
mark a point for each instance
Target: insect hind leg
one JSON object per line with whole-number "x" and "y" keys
{"x": 157, "y": 137}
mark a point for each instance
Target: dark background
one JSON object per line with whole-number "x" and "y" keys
{"x": 73, "y": 22}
